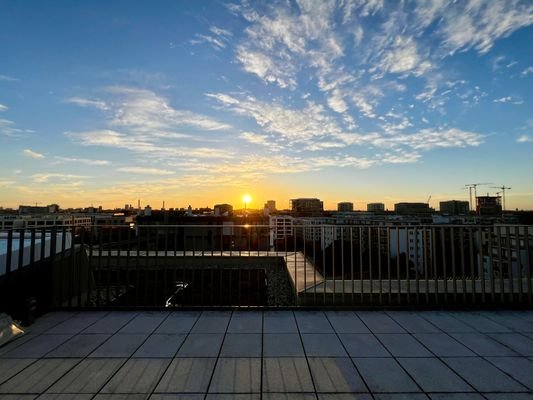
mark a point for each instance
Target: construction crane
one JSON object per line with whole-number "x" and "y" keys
{"x": 429, "y": 198}
{"x": 503, "y": 188}
{"x": 474, "y": 186}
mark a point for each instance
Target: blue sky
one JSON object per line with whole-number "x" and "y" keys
{"x": 200, "y": 102}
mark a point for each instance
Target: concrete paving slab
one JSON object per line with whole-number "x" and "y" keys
{"x": 433, "y": 375}
{"x": 78, "y": 346}
{"x": 187, "y": 375}
{"x": 246, "y": 322}
{"x": 212, "y": 322}
{"x": 120, "y": 346}
{"x": 178, "y": 322}
{"x": 412, "y": 322}
{"x": 518, "y": 368}
{"x": 403, "y": 345}
{"x": 236, "y": 375}
{"x": 38, "y": 346}
{"x": 380, "y": 322}
{"x": 312, "y": 322}
{"x": 346, "y": 322}
{"x": 145, "y": 322}
{"x": 385, "y": 375}
{"x": 111, "y": 323}
{"x": 89, "y": 376}
{"x": 12, "y": 366}
{"x": 287, "y": 374}
{"x": 482, "y": 375}
{"x": 160, "y": 346}
{"x": 515, "y": 341}
{"x": 39, "y": 376}
{"x": 137, "y": 376}
{"x": 483, "y": 345}
{"x": 363, "y": 345}
{"x": 443, "y": 345}
{"x": 335, "y": 375}
{"x": 279, "y": 322}
{"x": 479, "y": 322}
{"x": 323, "y": 345}
{"x": 446, "y": 322}
{"x": 77, "y": 323}
{"x": 201, "y": 345}
{"x": 241, "y": 345}
{"x": 282, "y": 345}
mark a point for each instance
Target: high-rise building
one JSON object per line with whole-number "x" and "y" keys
{"x": 375, "y": 207}
{"x": 488, "y": 205}
{"x": 412, "y": 208}
{"x": 223, "y": 210}
{"x": 345, "y": 206}
{"x": 271, "y": 205}
{"x": 307, "y": 206}
{"x": 454, "y": 207}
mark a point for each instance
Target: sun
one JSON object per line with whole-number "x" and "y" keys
{"x": 246, "y": 198}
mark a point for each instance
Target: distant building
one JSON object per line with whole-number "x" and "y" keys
{"x": 488, "y": 205}
{"x": 148, "y": 210}
{"x": 271, "y": 205}
{"x": 412, "y": 208}
{"x": 50, "y": 209}
{"x": 345, "y": 206}
{"x": 454, "y": 207}
{"x": 281, "y": 228}
{"x": 375, "y": 207}
{"x": 307, "y": 206}
{"x": 223, "y": 210}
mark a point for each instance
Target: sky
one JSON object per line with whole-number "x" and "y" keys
{"x": 201, "y": 102}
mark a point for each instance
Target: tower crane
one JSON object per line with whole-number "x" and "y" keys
{"x": 474, "y": 186}
{"x": 503, "y": 188}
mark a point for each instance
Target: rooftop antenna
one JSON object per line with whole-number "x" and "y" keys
{"x": 503, "y": 189}
{"x": 474, "y": 186}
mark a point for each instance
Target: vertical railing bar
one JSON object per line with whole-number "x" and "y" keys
{"x": 333, "y": 264}
{"x": 473, "y": 275}
{"x": 378, "y": 228}
{"x": 417, "y": 278}
{"x": 407, "y": 274}
{"x": 100, "y": 256}
{"x": 352, "y": 265}
{"x": 295, "y": 268}
{"x": 398, "y": 281}
{"x": 528, "y": 265}
{"x": 490, "y": 255}
{"x": 480, "y": 263}
{"x": 426, "y": 261}
{"x": 518, "y": 264}
{"x": 137, "y": 266}
{"x": 510, "y": 264}
{"x": 444, "y": 262}
{"x": 80, "y": 262}
{"x": 389, "y": 278}
{"x": 305, "y": 264}
{"x": 147, "y": 267}
{"x": 500, "y": 264}
{"x": 362, "y": 287}
{"x": 454, "y": 275}
{"x": 109, "y": 258}
{"x": 61, "y": 266}
{"x": 434, "y": 263}
{"x": 313, "y": 229}
{"x": 118, "y": 263}
{"x": 9, "y": 254}
{"x": 20, "y": 261}
{"x": 72, "y": 267}
{"x": 90, "y": 265}
{"x": 128, "y": 266}
{"x": 370, "y": 264}
{"x": 342, "y": 263}
{"x": 323, "y": 247}
{"x": 32, "y": 245}
{"x": 462, "y": 253}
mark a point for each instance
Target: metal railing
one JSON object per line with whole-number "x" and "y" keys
{"x": 259, "y": 265}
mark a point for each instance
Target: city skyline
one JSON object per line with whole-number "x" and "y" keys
{"x": 204, "y": 102}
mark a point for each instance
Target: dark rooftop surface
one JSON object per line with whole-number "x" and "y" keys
{"x": 330, "y": 355}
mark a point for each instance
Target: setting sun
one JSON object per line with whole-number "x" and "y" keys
{"x": 246, "y": 198}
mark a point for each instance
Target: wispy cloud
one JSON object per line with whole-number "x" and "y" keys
{"x": 524, "y": 139}
{"x": 146, "y": 171}
{"x": 82, "y": 102}
{"x": 508, "y": 99}
{"x": 50, "y": 176}
{"x": 527, "y": 71}
{"x": 3, "y": 107}
{"x": 8, "y": 78}
{"x": 85, "y": 161}
{"x": 32, "y": 154}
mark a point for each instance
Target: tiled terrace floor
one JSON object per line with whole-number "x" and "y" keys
{"x": 272, "y": 355}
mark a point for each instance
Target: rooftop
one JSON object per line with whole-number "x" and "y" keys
{"x": 272, "y": 355}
